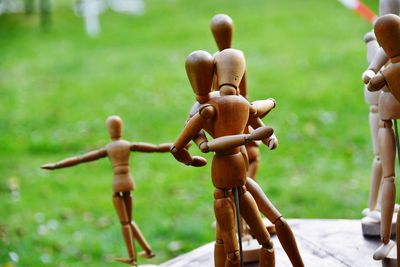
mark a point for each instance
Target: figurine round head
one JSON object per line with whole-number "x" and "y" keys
{"x": 222, "y": 29}
{"x": 200, "y": 71}
{"x": 387, "y": 31}
{"x": 114, "y": 125}
{"x": 230, "y": 67}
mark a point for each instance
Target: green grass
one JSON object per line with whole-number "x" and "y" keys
{"x": 57, "y": 87}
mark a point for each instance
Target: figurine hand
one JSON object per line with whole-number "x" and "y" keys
{"x": 198, "y": 161}
{"x": 184, "y": 157}
{"x": 376, "y": 83}
{"x": 271, "y": 142}
{"x": 48, "y": 166}
{"x": 367, "y": 76}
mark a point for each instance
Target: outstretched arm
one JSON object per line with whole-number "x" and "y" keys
{"x": 146, "y": 147}
{"x": 72, "y": 161}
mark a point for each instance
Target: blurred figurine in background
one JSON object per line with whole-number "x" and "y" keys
{"x": 371, "y": 222}
{"x": 90, "y": 10}
{"x": 118, "y": 151}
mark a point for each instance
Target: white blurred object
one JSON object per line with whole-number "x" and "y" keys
{"x": 11, "y": 6}
{"x": 90, "y": 11}
{"x": 132, "y": 7}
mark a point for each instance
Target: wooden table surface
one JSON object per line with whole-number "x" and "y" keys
{"x": 321, "y": 242}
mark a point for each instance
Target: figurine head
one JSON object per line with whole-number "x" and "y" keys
{"x": 114, "y": 125}
{"x": 222, "y": 29}
{"x": 389, "y": 7}
{"x": 200, "y": 71}
{"x": 230, "y": 66}
{"x": 387, "y": 31}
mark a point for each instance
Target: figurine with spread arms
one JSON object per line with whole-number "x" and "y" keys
{"x": 118, "y": 152}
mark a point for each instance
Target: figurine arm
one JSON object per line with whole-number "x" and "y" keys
{"x": 231, "y": 141}
{"x": 377, "y": 82}
{"x": 146, "y": 147}
{"x": 193, "y": 126}
{"x": 191, "y": 130}
{"x": 377, "y": 63}
{"x": 72, "y": 161}
{"x": 201, "y": 141}
{"x": 261, "y": 108}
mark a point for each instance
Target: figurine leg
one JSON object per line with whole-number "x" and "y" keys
{"x": 283, "y": 231}
{"x": 288, "y": 241}
{"x": 249, "y": 211}
{"x": 120, "y": 207}
{"x": 225, "y": 215}
{"x": 387, "y": 150}
{"x": 376, "y": 181}
{"x": 376, "y": 173}
{"x": 137, "y": 234}
{"x": 254, "y": 159}
{"x": 219, "y": 252}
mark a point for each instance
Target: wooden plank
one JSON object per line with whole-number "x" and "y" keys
{"x": 321, "y": 242}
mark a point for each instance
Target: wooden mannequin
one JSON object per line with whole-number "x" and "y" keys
{"x": 388, "y": 109}
{"x": 118, "y": 151}
{"x": 227, "y": 114}
{"x": 222, "y": 29}
{"x": 372, "y": 213}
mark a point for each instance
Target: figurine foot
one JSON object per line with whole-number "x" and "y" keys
{"x": 374, "y": 214}
{"x": 131, "y": 262}
{"x": 147, "y": 255}
{"x": 383, "y": 250}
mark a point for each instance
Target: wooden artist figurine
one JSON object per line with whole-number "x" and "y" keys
{"x": 118, "y": 151}
{"x": 222, "y": 29}
{"x": 371, "y": 221}
{"x": 225, "y": 118}
{"x": 389, "y": 109}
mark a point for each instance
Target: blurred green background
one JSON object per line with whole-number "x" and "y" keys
{"x": 57, "y": 87}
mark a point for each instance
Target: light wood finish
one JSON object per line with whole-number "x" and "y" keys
{"x": 372, "y": 99}
{"x": 118, "y": 151}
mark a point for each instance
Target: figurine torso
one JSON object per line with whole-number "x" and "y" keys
{"x": 119, "y": 152}
{"x": 229, "y": 167}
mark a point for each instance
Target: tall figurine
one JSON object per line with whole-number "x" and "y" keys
{"x": 388, "y": 110}
{"x": 371, "y": 221}
{"x": 222, "y": 29}
{"x": 225, "y": 117}
{"x": 118, "y": 151}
